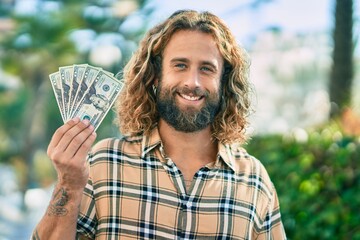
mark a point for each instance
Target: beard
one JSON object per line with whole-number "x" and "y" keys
{"x": 190, "y": 118}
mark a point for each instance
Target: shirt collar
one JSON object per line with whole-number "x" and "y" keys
{"x": 153, "y": 140}
{"x": 150, "y": 141}
{"x": 225, "y": 154}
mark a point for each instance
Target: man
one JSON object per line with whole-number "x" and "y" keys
{"x": 179, "y": 172}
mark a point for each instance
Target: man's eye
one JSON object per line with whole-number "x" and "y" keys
{"x": 206, "y": 69}
{"x": 180, "y": 66}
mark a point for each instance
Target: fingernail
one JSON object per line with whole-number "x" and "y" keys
{"x": 86, "y": 121}
{"x": 74, "y": 120}
{"x": 91, "y": 127}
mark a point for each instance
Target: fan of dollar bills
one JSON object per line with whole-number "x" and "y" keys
{"x": 84, "y": 91}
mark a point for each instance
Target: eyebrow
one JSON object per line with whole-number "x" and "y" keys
{"x": 186, "y": 60}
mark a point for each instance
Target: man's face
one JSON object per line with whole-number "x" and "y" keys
{"x": 97, "y": 101}
{"x": 189, "y": 90}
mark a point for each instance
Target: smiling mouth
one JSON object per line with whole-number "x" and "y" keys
{"x": 190, "y": 98}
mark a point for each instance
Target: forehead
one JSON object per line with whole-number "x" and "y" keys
{"x": 192, "y": 44}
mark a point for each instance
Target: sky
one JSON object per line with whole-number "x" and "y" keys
{"x": 299, "y": 16}
{"x": 290, "y": 15}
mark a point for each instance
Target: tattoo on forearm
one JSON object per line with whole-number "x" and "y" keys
{"x": 57, "y": 204}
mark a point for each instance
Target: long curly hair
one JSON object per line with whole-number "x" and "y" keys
{"x": 136, "y": 105}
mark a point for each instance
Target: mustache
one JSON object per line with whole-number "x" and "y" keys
{"x": 196, "y": 92}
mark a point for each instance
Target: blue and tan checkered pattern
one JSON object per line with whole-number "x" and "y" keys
{"x": 135, "y": 193}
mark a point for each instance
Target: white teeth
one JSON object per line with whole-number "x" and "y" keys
{"x": 190, "y": 98}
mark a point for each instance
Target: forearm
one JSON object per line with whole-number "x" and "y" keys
{"x": 59, "y": 220}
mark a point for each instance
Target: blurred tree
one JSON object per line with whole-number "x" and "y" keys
{"x": 342, "y": 70}
{"x": 41, "y": 42}
{"x": 316, "y": 174}
{"x": 35, "y": 47}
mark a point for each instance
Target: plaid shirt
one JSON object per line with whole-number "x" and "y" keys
{"x": 134, "y": 192}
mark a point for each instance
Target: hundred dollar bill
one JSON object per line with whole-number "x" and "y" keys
{"x": 78, "y": 73}
{"x": 98, "y": 99}
{"x": 88, "y": 78}
{"x": 66, "y": 80}
{"x": 56, "y": 86}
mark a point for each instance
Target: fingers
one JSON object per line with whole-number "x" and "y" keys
{"x": 81, "y": 153}
{"x": 69, "y": 138}
{"x": 60, "y": 132}
{"x": 75, "y": 135}
{"x": 80, "y": 140}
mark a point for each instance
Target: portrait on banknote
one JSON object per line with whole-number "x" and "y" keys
{"x": 84, "y": 91}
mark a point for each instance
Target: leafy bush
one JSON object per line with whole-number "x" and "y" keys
{"x": 317, "y": 177}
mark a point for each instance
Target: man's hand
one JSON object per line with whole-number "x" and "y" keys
{"x": 68, "y": 149}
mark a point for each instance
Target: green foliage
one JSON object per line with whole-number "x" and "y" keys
{"x": 37, "y": 45}
{"x": 317, "y": 177}
{"x": 12, "y": 107}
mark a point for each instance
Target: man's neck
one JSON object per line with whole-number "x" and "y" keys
{"x": 188, "y": 149}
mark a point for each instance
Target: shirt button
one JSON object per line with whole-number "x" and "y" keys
{"x": 188, "y": 204}
{"x": 169, "y": 162}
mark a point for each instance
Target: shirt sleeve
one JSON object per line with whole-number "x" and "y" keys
{"x": 87, "y": 221}
{"x": 272, "y": 227}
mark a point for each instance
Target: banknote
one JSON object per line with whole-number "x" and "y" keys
{"x": 78, "y": 73}
{"x": 85, "y": 91}
{"x": 89, "y": 76}
{"x": 98, "y": 98}
{"x": 66, "y": 81}
{"x": 57, "y": 88}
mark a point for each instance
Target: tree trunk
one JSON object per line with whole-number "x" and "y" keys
{"x": 342, "y": 70}
{"x": 34, "y": 130}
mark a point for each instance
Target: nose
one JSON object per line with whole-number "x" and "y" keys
{"x": 192, "y": 79}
